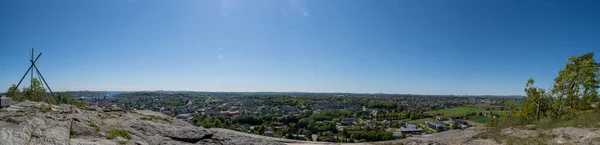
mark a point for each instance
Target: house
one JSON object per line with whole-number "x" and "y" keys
{"x": 233, "y": 114}
{"x": 300, "y": 137}
{"x": 269, "y": 133}
{"x": 441, "y": 118}
{"x": 436, "y": 125}
{"x": 495, "y": 115}
{"x": 410, "y": 129}
{"x": 461, "y": 124}
{"x": 371, "y": 124}
{"x": 457, "y": 116}
{"x": 374, "y": 113}
{"x": 403, "y": 122}
{"x": 211, "y": 112}
{"x": 386, "y": 123}
{"x": 348, "y": 121}
{"x": 184, "y": 116}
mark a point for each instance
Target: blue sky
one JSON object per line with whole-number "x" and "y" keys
{"x": 385, "y": 46}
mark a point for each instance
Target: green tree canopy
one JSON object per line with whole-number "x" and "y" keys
{"x": 35, "y": 92}
{"x": 16, "y": 95}
{"x": 578, "y": 83}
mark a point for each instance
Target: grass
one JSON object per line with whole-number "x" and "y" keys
{"x": 96, "y": 127}
{"x": 586, "y": 119}
{"x": 79, "y": 104}
{"x": 480, "y": 119}
{"x": 157, "y": 118}
{"x": 117, "y": 132}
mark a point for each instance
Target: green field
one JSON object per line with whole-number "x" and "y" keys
{"x": 479, "y": 119}
{"x": 465, "y": 110}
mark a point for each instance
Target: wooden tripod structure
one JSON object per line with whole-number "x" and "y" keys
{"x": 39, "y": 74}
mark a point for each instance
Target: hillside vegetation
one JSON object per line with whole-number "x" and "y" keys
{"x": 571, "y": 102}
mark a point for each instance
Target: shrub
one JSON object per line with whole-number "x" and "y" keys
{"x": 117, "y": 132}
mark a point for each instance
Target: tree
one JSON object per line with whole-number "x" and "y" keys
{"x": 63, "y": 98}
{"x": 536, "y": 102}
{"x": 512, "y": 108}
{"x": 345, "y": 133}
{"x": 35, "y": 92}
{"x": 493, "y": 122}
{"x": 578, "y": 82}
{"x": 575, "y": 89}
{"x": 16, "y": 95}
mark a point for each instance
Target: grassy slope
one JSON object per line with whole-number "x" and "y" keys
{"x": 586, "y": 119}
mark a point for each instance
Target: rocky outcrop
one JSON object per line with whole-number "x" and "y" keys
{"x": 179, "y": 133}
{"x": 37, "y": 123}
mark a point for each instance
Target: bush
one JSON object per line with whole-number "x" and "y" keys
{"x": 117, "y": 132}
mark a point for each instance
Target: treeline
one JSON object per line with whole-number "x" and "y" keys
{"x": 383, "y": 105}
{"x": 373, "y": 135}
{"x": 331, "y": 114}
{"x": 37, "y": 93}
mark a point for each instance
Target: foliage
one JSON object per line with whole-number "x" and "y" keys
{"x": 331, "y": 114}
{"x": 117, "y": 132}
{"x": 576, "y": 86}
{"x": 575, "y": 90}
{"x": 173, "y": 102}
{"x": 248, "y": 119}
{"x": 493, "y": 122}
{"x": 35, "y": 92}
{"x": 373, "y": 135}
{"x": 79, "y": 104}
{"x": 584, "y": 119}
{"x": 16, "y": 96}
{"x": 382, "y": 105}
{"x": 63, "y": 98}
{"x": 536, "y": 103}
{"x": 210, "y": 122}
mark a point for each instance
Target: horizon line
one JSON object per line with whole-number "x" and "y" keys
{"x": 315, "y": 92}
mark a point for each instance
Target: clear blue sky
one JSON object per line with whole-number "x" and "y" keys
{"x": 383, "y": 46}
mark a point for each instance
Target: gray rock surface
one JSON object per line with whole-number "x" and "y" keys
{"x": 95, "y": 141}
{"x": 38, "y": 123}
{"x": 190, "y": 134}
